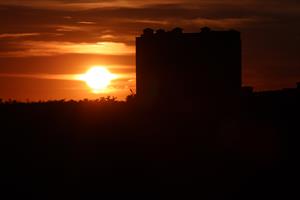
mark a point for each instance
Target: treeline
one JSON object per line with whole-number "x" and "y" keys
{"x": 101, "y": 100}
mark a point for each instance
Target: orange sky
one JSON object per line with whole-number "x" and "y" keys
{"x": 42, "y": 42}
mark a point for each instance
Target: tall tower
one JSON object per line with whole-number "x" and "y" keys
{"x": 189, "y": 67}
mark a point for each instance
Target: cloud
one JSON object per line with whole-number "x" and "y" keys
{"x": 222, "y": 23}
{"x": 86, "y": 23}
{"x": 49, "y": 48}
{"x": 41, "y": 76}
{"x": 65, "y": 28}
{"x": 84, "y": 5}
{"x": 17, "y": 35}
{"x": 284, "y": 6}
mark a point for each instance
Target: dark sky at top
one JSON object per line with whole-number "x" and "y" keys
{"x": 68, "y": 36}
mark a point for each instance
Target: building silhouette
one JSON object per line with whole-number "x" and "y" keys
{"x": 203, "y": 66}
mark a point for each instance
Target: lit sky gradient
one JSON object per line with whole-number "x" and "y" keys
{"x": 43, "y": 43}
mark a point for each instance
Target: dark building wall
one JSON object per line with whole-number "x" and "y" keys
{"x": 188, "y": 66}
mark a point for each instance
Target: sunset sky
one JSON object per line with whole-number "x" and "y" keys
{"x": 45, "y": 43}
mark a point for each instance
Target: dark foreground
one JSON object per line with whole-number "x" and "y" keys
{"x": 88, "y": 150}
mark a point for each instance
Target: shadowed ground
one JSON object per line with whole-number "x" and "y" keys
{"x": 94, "y": 150}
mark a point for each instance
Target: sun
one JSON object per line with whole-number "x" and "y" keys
{"x": 98, "y": 78}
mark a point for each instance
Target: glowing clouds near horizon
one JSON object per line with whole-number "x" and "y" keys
{"x": 98, "y": 79}
{"x": 51, "y": 48}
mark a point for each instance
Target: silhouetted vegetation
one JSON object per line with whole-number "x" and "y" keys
{"x": 83, "y": 149}
{"x": 101, "y": 100}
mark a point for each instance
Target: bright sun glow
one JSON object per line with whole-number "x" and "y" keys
{"x": 98, "y": 78}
